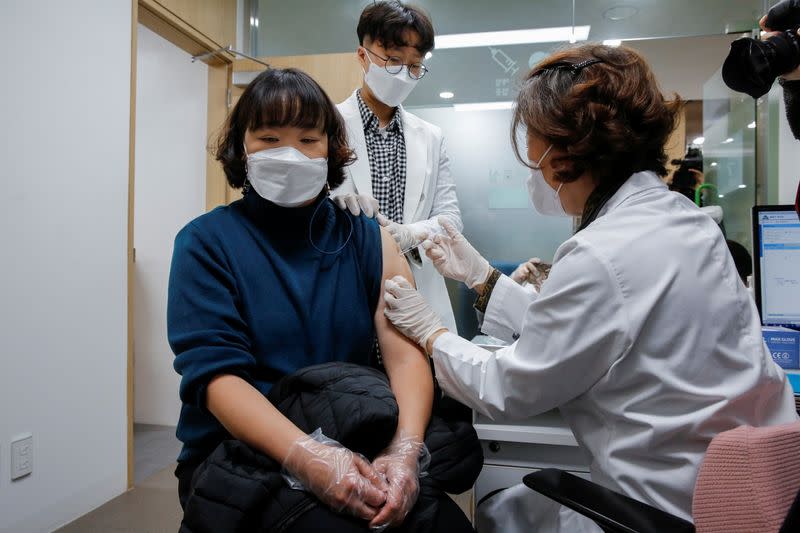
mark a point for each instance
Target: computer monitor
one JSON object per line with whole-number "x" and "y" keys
{"x": 776, "y": 264}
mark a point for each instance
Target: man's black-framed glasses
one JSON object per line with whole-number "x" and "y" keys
{"x": 393, "y": 65}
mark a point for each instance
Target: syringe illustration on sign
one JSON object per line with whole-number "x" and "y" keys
{"x": 508, "y": 65}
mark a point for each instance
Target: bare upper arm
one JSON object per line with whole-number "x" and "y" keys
{"x": 394, "y": 263}
{"x": 394, "y": 345}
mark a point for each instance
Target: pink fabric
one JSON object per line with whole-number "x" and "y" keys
{"x": 748, "y": 480}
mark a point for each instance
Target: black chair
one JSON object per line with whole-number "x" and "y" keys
{"x": 615, "y": 513}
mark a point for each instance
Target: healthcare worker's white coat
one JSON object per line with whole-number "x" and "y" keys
{"x": 645, "y": 338}
{"x": 430, "y": 190}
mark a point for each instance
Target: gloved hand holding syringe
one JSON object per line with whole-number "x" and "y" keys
{"x": 432, "y": 231}
{"x": 409, "y": 236}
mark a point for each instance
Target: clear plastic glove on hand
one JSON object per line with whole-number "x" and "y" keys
{"x": 409, "y": 312}
{"x": 357, "y": 203}
{"x": 342, "y": 480}
{"x": 455, "y": 258}
{"x": 403, "y": 462}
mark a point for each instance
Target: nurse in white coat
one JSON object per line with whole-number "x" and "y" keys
{"x": 643, "y": 336}
{"x": 392, "y": 69}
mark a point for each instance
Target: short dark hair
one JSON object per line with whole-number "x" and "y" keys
{"x": 283, "y": 97}
{"x": 609, "y": 117}
{"x": 389, "y": 22}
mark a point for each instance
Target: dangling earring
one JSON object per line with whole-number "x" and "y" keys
{"x": 246, "y": 183}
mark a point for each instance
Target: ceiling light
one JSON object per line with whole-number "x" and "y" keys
{"x": 727, "y": 141}
{"x": 752, "y": 125}
{"x": 500, "y": 38}
{"x": 699, "y": 140}
{"x": 446, "y": 95}
{"x": 612, "y": 42}
{"x": 428, "y": 55}
{"x": 742, "y": 186}
{"x": 714, "y": 164}
{"x": 483, "y": 106}
{"x": 620, "y": 12}
{"x": 721, "y": 195}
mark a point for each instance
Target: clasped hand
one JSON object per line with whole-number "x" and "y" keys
{"x": 382, "y": 492}
{"x": 401, "y": 464}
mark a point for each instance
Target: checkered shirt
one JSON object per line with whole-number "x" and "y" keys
{"x": 386, "y": 150}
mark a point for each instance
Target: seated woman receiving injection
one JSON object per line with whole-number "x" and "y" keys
{"x": 281, "y": 280}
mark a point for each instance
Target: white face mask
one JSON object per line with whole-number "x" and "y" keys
{"x": 286, "y": 176}
{"x": 391, "y": 89}
{"x": 545, "y": 199}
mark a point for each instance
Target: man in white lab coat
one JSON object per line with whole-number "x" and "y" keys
{"x": 402, "y": 169}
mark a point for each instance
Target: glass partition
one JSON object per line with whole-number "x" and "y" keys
{"x": 329, "y": 26}
{"x": 685, "y": 42}
{"x": 729, "y": 157}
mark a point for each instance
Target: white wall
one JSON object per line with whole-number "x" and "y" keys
{"x": 171, "y": 118}
{"x": 65, "y": 106}
{"x": 788, "y": 159}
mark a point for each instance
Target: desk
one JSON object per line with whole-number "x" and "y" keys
{"x": 512, "y": 449}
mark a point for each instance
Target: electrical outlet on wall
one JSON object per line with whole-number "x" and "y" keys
{"x": 21, "y": 457}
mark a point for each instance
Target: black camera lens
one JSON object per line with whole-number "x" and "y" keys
{"x": 752, "y": 66}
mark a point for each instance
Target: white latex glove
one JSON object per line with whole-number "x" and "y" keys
{"x": 409, "y": 312}
{"x": 341, "y": 479}
{"x": 521, "y": 273}
{"x": 357, "y": 203}
{"x": 532, "y": 271}
{"x": 455, "y": 258}
{"x": 406, "y": 236}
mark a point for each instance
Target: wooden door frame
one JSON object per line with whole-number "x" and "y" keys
{"x": 159, "y": 19}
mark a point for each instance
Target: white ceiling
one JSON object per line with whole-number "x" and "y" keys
{"x": 325, "y": 26}
{"x": 683, "y": 62}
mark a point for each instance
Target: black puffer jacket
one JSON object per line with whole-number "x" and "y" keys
{"x": 238, "y": 489}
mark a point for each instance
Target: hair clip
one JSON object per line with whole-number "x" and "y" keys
{"x": 575, "y": 68}
{"x": 582, "y": 65}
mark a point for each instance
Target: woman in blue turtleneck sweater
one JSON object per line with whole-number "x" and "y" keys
{"x": 280, "y": 280}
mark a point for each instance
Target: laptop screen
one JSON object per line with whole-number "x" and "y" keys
{"x": 776, "y": 236}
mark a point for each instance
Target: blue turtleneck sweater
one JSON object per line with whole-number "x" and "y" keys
{"x": 249, "y": 295}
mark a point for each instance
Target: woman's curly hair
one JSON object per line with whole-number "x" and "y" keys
{"x": 603, "y": 108}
